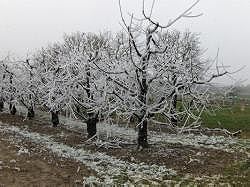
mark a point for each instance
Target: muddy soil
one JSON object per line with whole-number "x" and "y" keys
{"x": 35, "y": 167}
{"x": 184, "y": 159}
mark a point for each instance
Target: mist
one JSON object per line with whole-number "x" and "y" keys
{"x": 28, "y": 25}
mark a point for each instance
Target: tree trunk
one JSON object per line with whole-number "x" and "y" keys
{"x": 91, "y": 124}
{"x": 143, "y": 135}
{"x": 31, "y": 113}
{"x": 12, "y": 109}
{"x": 55, "y": 118}
{"x": 1, "y": 105}
{"x": 173, "y": 118}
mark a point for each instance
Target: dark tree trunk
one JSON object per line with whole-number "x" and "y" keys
{"x": 12, "y": 109}
{"x": 142, "y": 140}
{"x": 92, "y": 116}
{"x": 78, "y": 109}
{"x": 143, "y": 135}
{"x": 31, "y": 113}
{"x": 173, "y": 118}
{"x": 91, "y": 124}
{"x": 1, "y": 105}
{"x": 55, "y": 118}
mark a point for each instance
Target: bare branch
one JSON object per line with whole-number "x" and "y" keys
{"x": 186, "y": 14}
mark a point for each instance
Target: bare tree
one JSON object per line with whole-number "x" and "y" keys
{"x": 47, "y": 63}
{"x": 145, "y": 72}
{"x": 69, "y": 79}
{"x": 8, "y": 89}
{"x": 86, "y": 51}
{"x": 2, "y": 86}
{"x": 25, "y": 85}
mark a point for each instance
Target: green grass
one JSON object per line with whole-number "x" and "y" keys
{"x": 238, "y": 174}
{"x": 230, "y": 117}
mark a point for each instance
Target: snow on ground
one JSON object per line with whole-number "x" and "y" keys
{"x": 107, "y": 167}
{"x": 128, "y": 135}
{"x": 111, "y": 169}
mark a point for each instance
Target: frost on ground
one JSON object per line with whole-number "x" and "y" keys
{"x": 128, "y": 135}
{"x": 108, "y": 168}
{"x": 23, "y": 150}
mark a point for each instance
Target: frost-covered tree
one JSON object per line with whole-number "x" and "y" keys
{"x": 2, "y": 85}
{"x": 69, "y": 80}
{"x": 156, "y": 67}
{"x": 148, "y": 73}
{"x": 8, "y": 89}
{"x": 16, "y": 85}
{"x": 49, "y": 79}
{"x": 26, "y": 86}
{"x": 144, "y": 92}
{"x": 84, "y": 52}
{"x": 183, "y": 63}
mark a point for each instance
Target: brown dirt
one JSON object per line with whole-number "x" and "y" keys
{"x": 183, "y": 159}
{"x": 71, "y": 138}
{"x": 37, "y": 168}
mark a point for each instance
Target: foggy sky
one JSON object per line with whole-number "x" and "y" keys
{"x": 27, "y": 25}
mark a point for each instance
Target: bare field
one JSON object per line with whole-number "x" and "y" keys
{"x": 32, "y": 153}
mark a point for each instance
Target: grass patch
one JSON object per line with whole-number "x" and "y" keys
{"x": 235, "y": 117}
{"x": 238, "y": 174}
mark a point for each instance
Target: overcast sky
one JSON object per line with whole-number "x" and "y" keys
{"x": 27, "y": 25}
